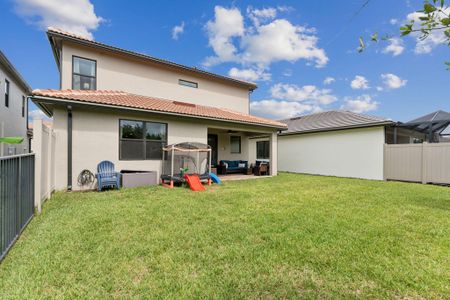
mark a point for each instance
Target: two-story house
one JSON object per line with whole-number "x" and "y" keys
{"x": 14, "y": 91}
{"x": 123, "y": 106}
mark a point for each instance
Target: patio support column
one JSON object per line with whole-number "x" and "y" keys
{"x": 273, "y": 153}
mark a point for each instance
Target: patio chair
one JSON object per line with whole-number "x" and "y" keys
{"x": 262, "y": 169}
{"x": 107, "y": 176}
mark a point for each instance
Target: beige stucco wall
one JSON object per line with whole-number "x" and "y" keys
{"x": 347, "y": 153}
{"x": 115, "y": 72}
{"x": 11, "y": 121}
{"x": 95, "y": 137}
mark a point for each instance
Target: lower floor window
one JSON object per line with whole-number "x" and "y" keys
{"x": 263, "y": 150}
{"x": 141, "y": 140}
{"x": 235, "y": 144}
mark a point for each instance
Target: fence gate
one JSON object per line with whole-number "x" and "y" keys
{"x": 16, "y": 198}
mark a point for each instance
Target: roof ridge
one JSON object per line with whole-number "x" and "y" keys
{"x": 435, "y": 115}
{"x": 59, "y": 30}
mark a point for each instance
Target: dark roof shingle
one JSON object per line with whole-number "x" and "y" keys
{"x": 437, "y": 116}
{"x": 331, "y": 120}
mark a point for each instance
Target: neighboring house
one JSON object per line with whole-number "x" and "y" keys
{"x": 13, "y": 107}
{"x": 336, "y": 143}
{"x": 123, "y": 106}
{"x": 432, "y": 128}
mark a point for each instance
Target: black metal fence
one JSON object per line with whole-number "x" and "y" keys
{"x": 16, "y": 198}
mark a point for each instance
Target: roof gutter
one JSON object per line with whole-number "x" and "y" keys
{"x": 339, "y": 128}
{"x": 75, "y": 102}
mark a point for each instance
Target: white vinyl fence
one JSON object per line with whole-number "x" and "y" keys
{"x": 426, "y": 163}
{"x": 43, "y": 145}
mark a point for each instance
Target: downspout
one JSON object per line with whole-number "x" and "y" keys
{"x": 69, "y": 148}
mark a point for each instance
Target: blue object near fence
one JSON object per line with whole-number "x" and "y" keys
{"x": 107, "y": 176}
{"x": 215, "y": 178}
{"x": 16, "y": 198}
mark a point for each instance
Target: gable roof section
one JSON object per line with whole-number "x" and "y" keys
{"x": 13, "y": 71}
{"x": 54, "y": 33}
{"x": 124, "y": 100}
{"x": 331, "y": 120}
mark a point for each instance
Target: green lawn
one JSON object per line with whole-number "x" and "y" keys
{"x": 292, "y": 236}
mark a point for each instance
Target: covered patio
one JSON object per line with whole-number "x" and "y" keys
{"x": 242, "y": 153}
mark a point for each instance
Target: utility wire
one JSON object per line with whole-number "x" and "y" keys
{"x": 350, "y": 20}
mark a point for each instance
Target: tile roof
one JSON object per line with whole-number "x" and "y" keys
{"x": 133, "y": 101}
{"x": 51, "y": 31}
{"x": 331, "y": 120}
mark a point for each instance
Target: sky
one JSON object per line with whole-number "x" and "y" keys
{"x": 302, "y": 54}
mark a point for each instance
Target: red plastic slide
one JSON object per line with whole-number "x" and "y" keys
{"x": 194, "y": 182}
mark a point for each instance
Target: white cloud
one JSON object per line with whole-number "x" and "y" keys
{"x": 177, "y": 30}
{"x": 392, "y": 81}
{"x": 249, "y": 74}
{"x": 266, "y": 41}
{"x": 436, "y": 37}
{"x": 328, "y": 80}
{"x": 290, "y": 100}
{"x": 227, "y": 24}
{"x": 395, "y": 47}
{"x": 288, "y": 73}
{"x": 360, "y": 82}
{"x": 75, "y": 16}
{"x": 393, "y": 21}
{"x": 37, "y": 114}
{"x": 273, "y": 109}
{"x": 308, "y": 94}
{"x": 280, "y": 40}
{"x": 259, "y": 16}
{"x": 360, "y": 104}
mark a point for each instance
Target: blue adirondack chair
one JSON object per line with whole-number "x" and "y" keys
{"x": 107, "y": 176}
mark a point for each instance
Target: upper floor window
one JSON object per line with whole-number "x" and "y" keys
{"x": 84, "y": 74}
{"x": 188, "y": 83}
{"x": 6, "y": 93}
{"x": 140, "y": 140}
{"x": 23, "y": 106}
